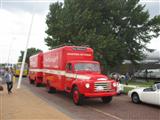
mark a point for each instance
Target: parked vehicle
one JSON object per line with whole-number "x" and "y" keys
{"x": 17, "y": 68}
{"x": 73, "y": 70}
{"x": 35, "y": 69}
{"x": 147, "y": 95}
{"x": 154, "y": 73}
{"x": 149, "y": 73}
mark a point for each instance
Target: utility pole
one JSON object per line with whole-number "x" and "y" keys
{"x": 25, "y": 53}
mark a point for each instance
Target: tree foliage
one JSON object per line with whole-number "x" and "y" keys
{"x": 115, "y": 29}
{"x": 30, "y": 52}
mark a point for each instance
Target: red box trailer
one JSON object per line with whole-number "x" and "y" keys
{"x": 36, "y": 69}
{"x": 72, "y": 69}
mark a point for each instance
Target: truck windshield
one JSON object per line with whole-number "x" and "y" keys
{"x": 92, "y": 67}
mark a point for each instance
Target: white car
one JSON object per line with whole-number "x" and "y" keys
{"x": 147, "y": 95}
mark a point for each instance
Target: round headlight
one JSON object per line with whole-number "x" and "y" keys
{"x": 114, "y": 84}
{"x": 87, "y": 85}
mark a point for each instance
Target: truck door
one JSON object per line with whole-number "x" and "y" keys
{"x": 69, "y": 77}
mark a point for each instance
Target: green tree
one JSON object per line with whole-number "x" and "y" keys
{"x": 115, "y": 29}
{"x": 30, "y": 52}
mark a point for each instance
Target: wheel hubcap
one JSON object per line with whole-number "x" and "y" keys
{"x": 135, "y": 98}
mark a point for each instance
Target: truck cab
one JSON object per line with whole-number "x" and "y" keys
{"x": 84, "y": 80}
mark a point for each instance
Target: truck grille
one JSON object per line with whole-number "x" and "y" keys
{"x": 102, "y": 86}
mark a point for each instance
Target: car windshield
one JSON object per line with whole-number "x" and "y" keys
{"x": 93, "y": 67}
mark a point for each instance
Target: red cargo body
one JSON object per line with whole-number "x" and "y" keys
{"x": 36, "y": 69}
{"x": 72, "y": 69}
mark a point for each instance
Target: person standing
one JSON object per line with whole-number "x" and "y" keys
{"x": 127, "y": 77}
{"x": 1, "y": 87}
{"x": 9, "y": 80}
{"x": 146, "y": 75}
{"x": 116, "y": 77}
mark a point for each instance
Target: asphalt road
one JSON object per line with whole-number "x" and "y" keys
{"x": 121, "y": 108}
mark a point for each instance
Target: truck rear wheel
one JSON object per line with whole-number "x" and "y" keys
{"x": 106, "y": 99}
{"x": 49, "y": 88}
{"x": 31, "y": 81}
{"x": 77, "y": 97}
{"x": 36, "y": 83}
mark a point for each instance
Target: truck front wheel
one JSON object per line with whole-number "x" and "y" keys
{"x": 77, "y": 97}
{"x": 107, "y": 99}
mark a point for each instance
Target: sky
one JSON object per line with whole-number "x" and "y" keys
{"x": 15, "y": 19}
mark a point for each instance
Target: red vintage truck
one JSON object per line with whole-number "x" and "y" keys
{"x": 73, "y": 70}
{"x": 36, "y": 69}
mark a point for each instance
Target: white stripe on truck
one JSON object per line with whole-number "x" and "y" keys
{"x": 61, "y": 72}
{"x": 36, "y": 70}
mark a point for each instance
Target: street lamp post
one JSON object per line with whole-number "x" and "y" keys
{"x": 25, "y": 53}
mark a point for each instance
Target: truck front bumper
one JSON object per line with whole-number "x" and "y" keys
{"x": 98, "y": 94}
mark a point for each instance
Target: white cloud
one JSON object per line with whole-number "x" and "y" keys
{"x": 27, "y": 5}
{"x": 149, "y": 1}
{"x": 155, "y": 43}
{"x": 14, "y": 32}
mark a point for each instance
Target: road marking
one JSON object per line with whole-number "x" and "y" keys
{"x": 107, "y": 114}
